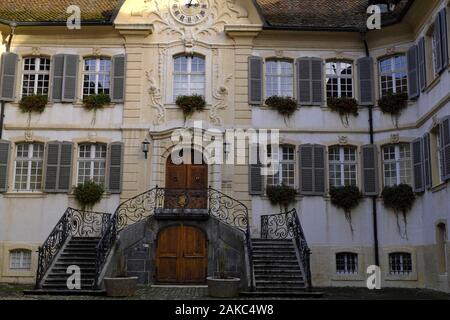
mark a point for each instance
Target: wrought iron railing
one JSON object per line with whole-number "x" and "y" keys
{"x": 287, "y": 226}
{"x": 73, "y": 223}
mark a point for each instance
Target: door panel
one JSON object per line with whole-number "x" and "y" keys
{"x": 167, "y": 255}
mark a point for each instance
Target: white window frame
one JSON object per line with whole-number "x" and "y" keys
{"x": 278, "y": 76}
{"x": 92, "y": 160}
{"x": 36, "y": 72}
{"x": 347, "y": 263}
{"x": 189, "y": 73}
{"x": 342, "y": 163}
{"x": 96, "y": 73}
{"x": 281, "y": 162}
{"x": 402, "y": 264}
{"x": 393, "y": 73}
{"x": 397, "y": 162}
{"x": 30, "y": 159}
{"x": 339, "y": 76}
{"x": 24, "y": 262}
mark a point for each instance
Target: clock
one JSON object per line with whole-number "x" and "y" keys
{"x": 189, "y": 12}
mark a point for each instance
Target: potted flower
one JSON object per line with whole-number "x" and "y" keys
{"x": 345, "y": 106}
{"x": 190, "y": 104}
{"x": 120, "y": 286}
{"x": 33, "y": 103}
{"x": 346, "y": 198}
{"x": 88, "y": 194}
{"x": 95, "y": 102}
{"x": 221, "y": 285}
{"x": 393, "y": 104}
{"x": 286, "y": 106}
{"x": 281, "y": 195}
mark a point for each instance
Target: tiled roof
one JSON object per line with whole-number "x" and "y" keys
{"x": 55, "y": 10}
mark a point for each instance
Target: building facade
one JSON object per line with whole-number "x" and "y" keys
{"x": 236, "y": 54}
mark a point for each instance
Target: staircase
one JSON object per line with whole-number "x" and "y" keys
{"x": 276, "y": 267}
{"x": 79, "y": 252}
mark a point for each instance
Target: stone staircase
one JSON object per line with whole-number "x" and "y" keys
{"x": 276, "y": 267}
{"x": 80, "y": 252}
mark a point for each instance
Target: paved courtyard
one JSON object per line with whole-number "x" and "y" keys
{"x": 15, "y": 292}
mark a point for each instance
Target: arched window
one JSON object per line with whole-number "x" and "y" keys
{"x": 28, "y": 166}
{"x": 285, "y": 173}
{"x": 339, "y": 79}
{"x": 400, "y": 263}
{"x": 279, "y": 78}
{"x": 343, "y": 164}
{"x": 20, "y": 259}
{"x": 96, "y": 76}
{"x": 397, "y": 164}
{"x": 393, "y": 75}
{"x": 35, "y": 76}
{"x": 189, "y": 76}
{"x": 346, "y": 263}
{"x": 92, "y": 163}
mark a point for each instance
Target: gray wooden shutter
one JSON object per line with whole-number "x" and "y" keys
{"x": 69, "y": 85}
{"x": 8, "y": 72}
{"x": 304, "y": 81}
{"x": 445, "y": 148}
{"x": 422, "y": 64}
{"x": 427, "y": 160}
{"x": 312, "y": 169}
{"x": 52, "y": 156}
{"x": 255, "y": 81}
{"x": 255, "y": 183}
{"x": 438, "y": 45}
{"x": 417, "y": 158}
{"x": 115, "y": 167}
{"x": 118, "y": 78}
{"x": 413, "y": 74}
{"x": 317, "y": 81}
{"x": 444, "y": 37}
{"x": 65, "y": 167}
{"x": 5, "y": 146}
{"x": 370, "y": 170}
{"x": 319, "y": 170}
{"x": 366, "y": 81}
{"x": 58, "y": 74}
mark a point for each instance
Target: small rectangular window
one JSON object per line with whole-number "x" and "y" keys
{"x": 400, "y": 263}
{"x": 20, "y": 259}
{"x": 346, "y": 263}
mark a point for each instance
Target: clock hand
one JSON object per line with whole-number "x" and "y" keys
{"x": 189, "y": 4}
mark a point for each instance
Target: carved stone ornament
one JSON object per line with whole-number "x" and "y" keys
{"x": 29, "y": 136}
{"x": 96, "y": 51}
{"x": 221, "y": 95}
{"x": 343, "y": 140}
{"x": 92, "y": 136}
{"x": 155, "y": 98}
{"x": 395, "y": 138}
{"x": 36, "y": 51}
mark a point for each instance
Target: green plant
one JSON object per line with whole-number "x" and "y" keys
{"x": 286, "y": 106}
{"x": 282, "y": 195}
{"x": 96, "y": 101}
{"x": 393, "y": 103}
{"x": 88, "y": 194}
{"x": 346, "y": 198}
{"x": 191, "y": 104}
{"x": 345, "y": 106}
{"x": 399, "y": 198}
{"x": 33, "y": 103}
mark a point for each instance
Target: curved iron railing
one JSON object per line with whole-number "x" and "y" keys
{"x": 73, "y": 223}
{"x": 287, "y": 226}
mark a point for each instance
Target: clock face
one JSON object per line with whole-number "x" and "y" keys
{"x": 189, "y": 12}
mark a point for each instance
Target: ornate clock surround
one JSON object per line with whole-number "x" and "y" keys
{"x": 190, "y": 12}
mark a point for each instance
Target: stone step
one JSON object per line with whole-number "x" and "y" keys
{"x": 78, "y": 255}
{"x": 280, "y": 288}
{"x": 274, "y": 255}
{"x": 81, "y": 264}
{"x": 280, "y": 283}
{"x": 65, "y": 292}
{"x": 280, "y": 277}
{"x": 278, "y": 259}
{"x": 277, "y": 270}
{"x": 64, "y": 274}
{"x": 292, "y": 294}
{"x": 83, "y": 269}
{"x": 63, "y": 281}
{"x": 64, "y": 287}
{"x": 275, "y": 242}
{"x": 271, "y": 249}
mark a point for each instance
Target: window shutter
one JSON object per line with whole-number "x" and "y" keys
{"x": 118, "y": 78}
{"x": 317, "y": 81}
{"x": 319, "y": 170}
{"x": 115, "y": 167}
{"x": 69, "y": 85}
{"x": 304, "y": 80}
{"x": 438, "y": 39}
{"x": 65, "y": 167}
{"x": 422, "y": 64}
{"x": 413, "y": 75}
{"x": 312, "y": 169}
{"x": 427, "y": 160}
{"x": 8, "y": 76}
{"x": 366, "y": 83}
{"x": 51, "y": 169}
{"x": 5, "y": 146}
{"x": 255, "y": 81}
{"x": 255, "y": 177}
{"x": 58, "y": 73}
{"x": 445, "y": 148}
{"x": 418, "y": 165}
{"x": 370, "y": 170}
{"x": 444, "y": 37}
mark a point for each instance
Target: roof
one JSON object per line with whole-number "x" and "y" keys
{"x": 277, "y": 14}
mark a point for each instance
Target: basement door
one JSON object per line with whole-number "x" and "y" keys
{"x": 181, "y": 256}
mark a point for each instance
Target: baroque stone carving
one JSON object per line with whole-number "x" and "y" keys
{"x": 29, "y": 136}
{"x": 221, "y": 95}
{"x": 343, "y": 140}
{"x": 395, "y": 138}
{"x": 155, "y": 98}
{"x": 36, "y": 51}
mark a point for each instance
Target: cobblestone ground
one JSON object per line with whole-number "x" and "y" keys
{"x": 15, "y": 292}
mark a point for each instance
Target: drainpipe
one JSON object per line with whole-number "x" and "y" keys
{"x": 374, "y": 198}
{"x": 12, "y": 26}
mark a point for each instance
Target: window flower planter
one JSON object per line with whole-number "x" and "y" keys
{"x": 88, "y": 194}
{"x": 345, "y": 107}
{"x": 346, "y": 198}
{"x": 191, "y": 104}
{"x": 286, "y": 106}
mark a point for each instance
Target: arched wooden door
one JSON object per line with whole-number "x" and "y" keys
{"x": 181, "y": 256}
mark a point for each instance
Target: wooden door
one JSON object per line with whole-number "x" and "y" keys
{"x": 181, "y": 256}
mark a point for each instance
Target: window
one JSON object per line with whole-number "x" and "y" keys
{"x": 397, "y": 164}
{"x": 28, "y": 166}
{"x": 434, "y": 52}
{"x": 286, "y": 168}
{"x": 339, "y": 79}
{"x": 20, "y": 259}
{"x": 346, "y": 263}
{"x": 400, "y": 263}
{"x": 343, "y": 166}
{"x": 279, "y": 78}
{"x": 441, "y": 243}
{"x": 92, "y": 163}
{"x": 189, "y": 76}
{"x": 436, "y": 161}
{"x": 393, "y": 75}
{"x": 97, "y": 76}
{"x": 36, "y": 76}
